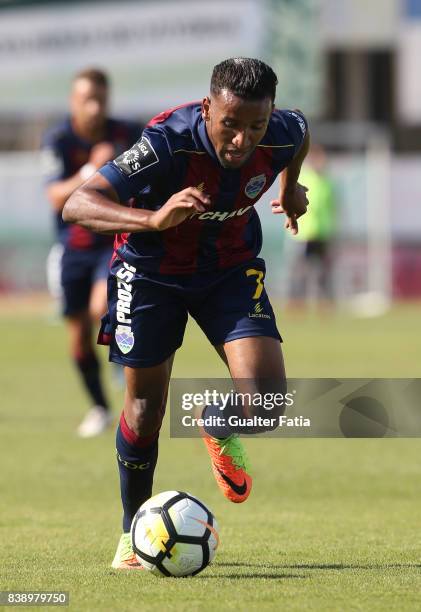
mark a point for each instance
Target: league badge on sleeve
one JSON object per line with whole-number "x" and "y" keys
{"x": 124, "y": 338}
{"x": 255, "y": 186}
{"x": 142, "y": 155}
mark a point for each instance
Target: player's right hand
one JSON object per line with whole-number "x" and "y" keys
{"x": 101, "y": 153}
{"x": 180, "y": 206}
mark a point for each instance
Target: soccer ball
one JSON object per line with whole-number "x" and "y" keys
{"x": 174, "y": 534}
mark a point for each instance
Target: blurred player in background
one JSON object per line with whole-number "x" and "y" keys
{"x": 191, "y": 246}
{"x": 310, "y": 271}
{"x": 73, "y": 151}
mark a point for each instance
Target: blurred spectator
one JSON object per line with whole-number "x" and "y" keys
{"x": 72, "y": 151}
{"x": 311, "y": 268}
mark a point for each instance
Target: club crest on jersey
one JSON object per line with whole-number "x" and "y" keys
{"x": 142, "y": 155}
{"x": 124, "y": 338}
{"x": 255, "y": 186}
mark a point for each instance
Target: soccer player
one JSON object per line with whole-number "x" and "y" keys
{"x": 191, "y": 245}
{"x": 73, "y": 151}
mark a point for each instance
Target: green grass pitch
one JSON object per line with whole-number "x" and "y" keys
{"x": 332, "y": 524}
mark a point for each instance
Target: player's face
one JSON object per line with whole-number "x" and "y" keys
{"x": 235, "y": 126}
{"x": 88, "y": 104}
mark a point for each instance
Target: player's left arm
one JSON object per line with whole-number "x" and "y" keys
{"x": 103, "y": 203}
{"x": 292, "y": 198}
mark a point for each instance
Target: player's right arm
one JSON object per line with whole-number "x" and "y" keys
{"x": 96, "y": 206}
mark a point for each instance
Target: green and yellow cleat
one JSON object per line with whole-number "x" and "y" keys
{"x": 124, "y": 556}
{"x": 230, "y": 467}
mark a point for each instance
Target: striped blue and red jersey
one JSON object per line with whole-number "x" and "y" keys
{"x": 174, "y": 153}
{"x": 64, "y": 153}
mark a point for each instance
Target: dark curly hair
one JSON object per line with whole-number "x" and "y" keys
{"x": 245, "y": 77}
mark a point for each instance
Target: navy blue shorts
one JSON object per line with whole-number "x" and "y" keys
{"x": 80, "y": 270}
{"x": 147, "y": 316}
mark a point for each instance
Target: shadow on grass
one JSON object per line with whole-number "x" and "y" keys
{"x": 320, "y": 566}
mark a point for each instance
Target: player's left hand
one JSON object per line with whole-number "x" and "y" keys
{"x": 294, "y": 204}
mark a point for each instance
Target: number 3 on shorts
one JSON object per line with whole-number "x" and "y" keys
{"x": 259, "y": 274}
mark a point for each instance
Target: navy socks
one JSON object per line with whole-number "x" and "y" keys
{"x": 136, "y": 458}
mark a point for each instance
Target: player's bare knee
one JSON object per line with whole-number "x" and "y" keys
{"x": 144, "y": 416}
